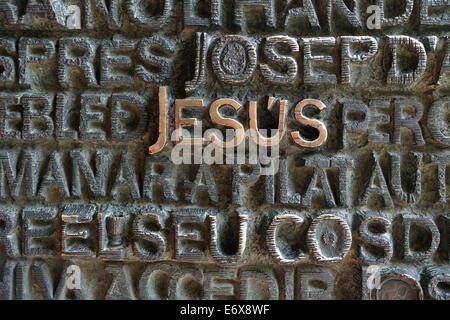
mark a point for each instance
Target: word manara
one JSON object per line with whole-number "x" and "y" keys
{"x": 233, "y": 60}
{"x": 322, "y": 182}
{"x": 274, "y": 14}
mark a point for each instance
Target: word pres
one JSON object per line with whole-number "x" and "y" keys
{"x": 36, "y": 279}
{"x": 78, "y": 231}
{"x": 77, "y": 55}
{"x": 330, "y": 16}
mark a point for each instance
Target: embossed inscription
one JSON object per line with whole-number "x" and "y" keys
{"x": 190, "y": 149}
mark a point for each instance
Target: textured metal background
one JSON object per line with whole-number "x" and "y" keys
{"x": 269, "y": 243}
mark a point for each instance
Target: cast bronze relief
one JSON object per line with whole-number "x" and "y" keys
{"x": 224, "y": 149}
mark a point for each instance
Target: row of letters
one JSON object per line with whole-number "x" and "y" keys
{"x": 90, "y": 12}
{"x": 325, "y": 182}
{"x": 234, "y": 60}
{"x": 34, "y": 279}
{"x": 83, "y": 231}
{"x": 124, "y": 117}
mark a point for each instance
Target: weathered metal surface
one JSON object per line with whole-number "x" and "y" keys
{"x": 101, "y": 197}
